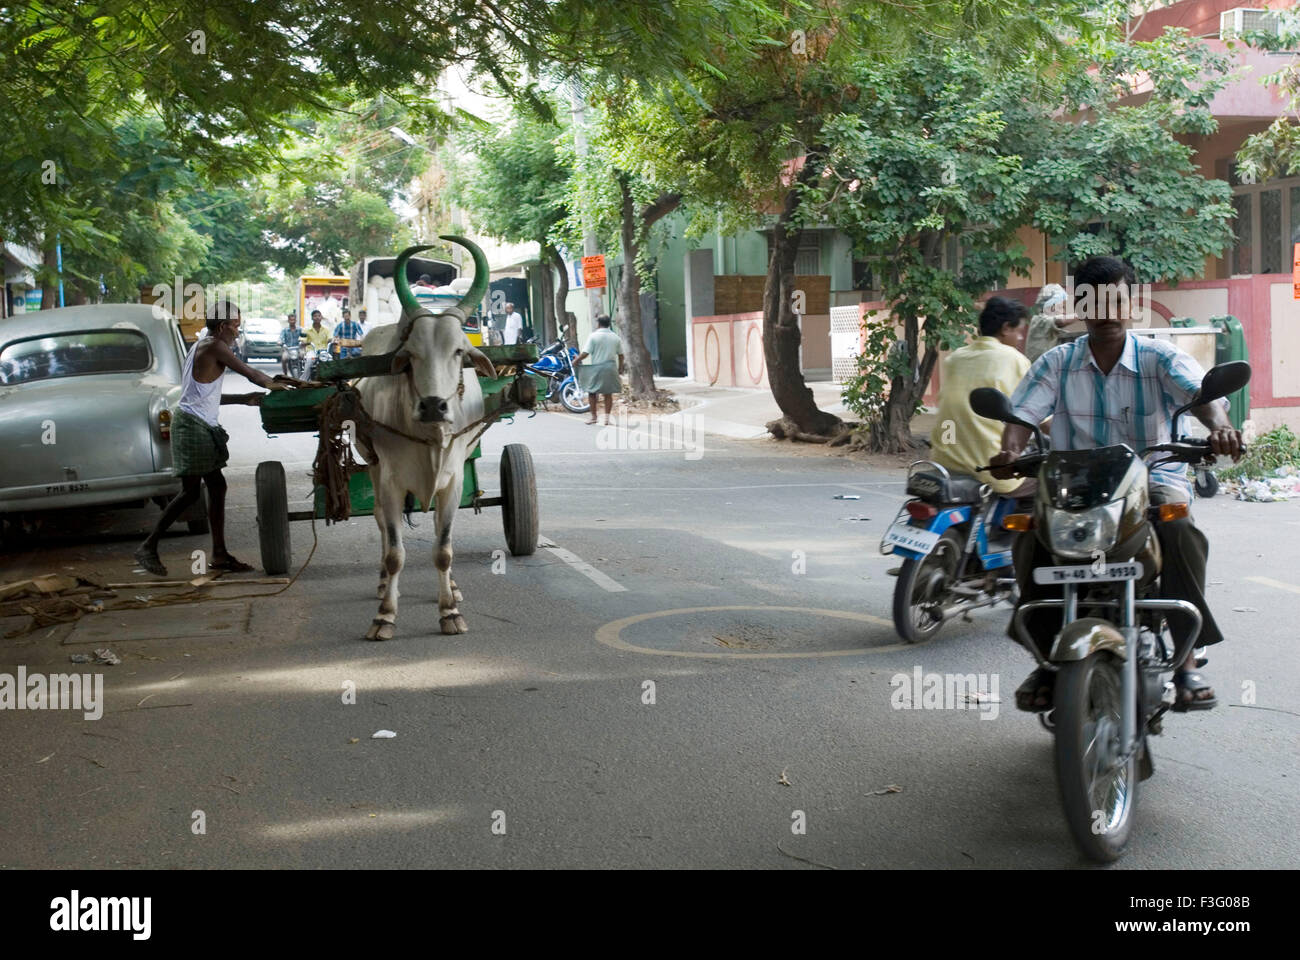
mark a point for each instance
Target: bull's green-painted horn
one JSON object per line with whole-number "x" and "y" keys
{"x": 479, "y": 287}
{"x": 401, "y": 284}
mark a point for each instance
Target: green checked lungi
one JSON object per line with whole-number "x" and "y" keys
{"x": 197, "y": 448}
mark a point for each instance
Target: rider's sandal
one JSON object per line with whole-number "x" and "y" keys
{"x": 1035, "y": 695}
{"x": 1191, "y": 683}
{"x": 230, "y": 565}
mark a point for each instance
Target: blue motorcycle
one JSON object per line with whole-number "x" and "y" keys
{"x": 556, "y": 365}
{"x": 956, "y": 552}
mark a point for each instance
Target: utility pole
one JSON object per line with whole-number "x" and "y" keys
{"x": 590, "y": 245}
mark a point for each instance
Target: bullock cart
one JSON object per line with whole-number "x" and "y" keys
{"x": 342, "y": 488}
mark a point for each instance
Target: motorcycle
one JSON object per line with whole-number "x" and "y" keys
{"x": 956, "y": 555}
{"x": 313, "y": 359}
{"x": 556, "y": 365}
{"x": 296, "y": 361}
{"x": 1118, "y": 642}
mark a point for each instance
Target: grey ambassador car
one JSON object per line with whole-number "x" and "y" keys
{"x": 86, "y": 395}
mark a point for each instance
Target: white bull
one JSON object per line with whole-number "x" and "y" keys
{"x": 429, "y": 399}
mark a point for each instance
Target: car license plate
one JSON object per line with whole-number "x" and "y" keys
{"x": 1088, "y": 573}
{"x": 911, "y": 538}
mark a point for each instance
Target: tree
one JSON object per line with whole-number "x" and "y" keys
{"x": 1275, "y": 151}
{"x": 750, "y": 135}
{"x": 953, "y": 149}
{"x": 514, "y": 186}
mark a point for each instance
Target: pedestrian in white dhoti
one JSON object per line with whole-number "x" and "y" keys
{"x": 600, "y": 377}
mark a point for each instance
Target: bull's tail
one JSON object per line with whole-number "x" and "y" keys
{"x": 408, "y": 507}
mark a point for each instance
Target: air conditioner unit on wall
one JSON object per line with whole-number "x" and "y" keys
{"x": 1240, "y": 20}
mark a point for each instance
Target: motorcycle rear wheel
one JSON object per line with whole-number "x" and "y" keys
{"x": 1099, "y": 795}
{"x": 922, "y": 583}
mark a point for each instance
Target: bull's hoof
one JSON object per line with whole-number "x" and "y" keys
{"x": 453, "y": 623}
{"x": 380, "y": 630}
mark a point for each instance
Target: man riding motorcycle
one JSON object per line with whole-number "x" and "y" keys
{"x": 962, "y": 440}
{"x": 1111, "y": 386}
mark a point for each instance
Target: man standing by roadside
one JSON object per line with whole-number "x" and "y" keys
{"x": 514, "y": 325}
{"x": 349, "y": 335}
{"x": 288, "y": 338}
{"x": 198, "y": 441}
{"x": 601, "y": 377}
{"x": 1051, "y": 316}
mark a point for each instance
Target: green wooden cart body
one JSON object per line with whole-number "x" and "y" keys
{"x": 298, "y": 411}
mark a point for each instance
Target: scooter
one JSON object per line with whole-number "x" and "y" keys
{"x": 556, "y": 364}
{"x": 956, "y": 556}
{"x": 1118, "y": 642}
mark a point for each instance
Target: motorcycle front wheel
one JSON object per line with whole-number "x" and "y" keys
{"x": 1098, "y": 791}
{"x": 574, "y": 400}
{"x": 922, "y": 584}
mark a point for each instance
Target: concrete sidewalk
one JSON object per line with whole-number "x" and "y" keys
{"x": 742, "y": 413}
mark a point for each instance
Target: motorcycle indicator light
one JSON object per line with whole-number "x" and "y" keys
{"x": 920, "y": 510}
{"x": 1018, "y": 522}
{"x": 1171, "y": 511}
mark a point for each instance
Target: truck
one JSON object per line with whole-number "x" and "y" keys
{"x": 329, "y": 295}
{"x": 371, "y": 288}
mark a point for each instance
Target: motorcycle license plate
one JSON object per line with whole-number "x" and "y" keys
{"x": 911, "y": 538}
{"x": 1088, "y": 573}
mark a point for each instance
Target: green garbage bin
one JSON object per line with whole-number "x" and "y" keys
{"x": 1181, "y": 322}
{"x": 1231, "y": 345}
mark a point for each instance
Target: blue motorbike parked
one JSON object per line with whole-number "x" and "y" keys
{"x": 556, "y": 365}
{"x": 956, "y": 554}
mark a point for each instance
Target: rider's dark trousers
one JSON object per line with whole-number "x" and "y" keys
{"x": 1185, "y": 551}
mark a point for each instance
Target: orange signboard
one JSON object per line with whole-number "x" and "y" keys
{"x": 593, "y": 271}
{"x": 1295, "y": 272}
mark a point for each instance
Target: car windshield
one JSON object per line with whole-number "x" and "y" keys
{"x": 262, "y": 328}
{"x": 1077, "y": 479}
{"x": 74, "y": 355}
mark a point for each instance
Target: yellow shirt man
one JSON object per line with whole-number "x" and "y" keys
{"x": 962, "y": 440}
{"x": 318, "y": 338}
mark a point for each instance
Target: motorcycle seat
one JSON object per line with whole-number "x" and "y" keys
{"x": 935, "y": 488}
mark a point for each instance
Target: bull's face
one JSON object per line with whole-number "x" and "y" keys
{"x": 435, "y": 353}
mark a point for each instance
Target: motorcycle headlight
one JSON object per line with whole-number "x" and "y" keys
{"x": 1081, "y": 534}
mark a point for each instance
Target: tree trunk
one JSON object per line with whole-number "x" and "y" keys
{"x": 547, "y": 318}
{"x": 561, "y": 293}
{"x": 892, "y": 432}
{"x": 781, "y": 335}
{"x": 640, "y": 372}
{"x": 50, "y": 275}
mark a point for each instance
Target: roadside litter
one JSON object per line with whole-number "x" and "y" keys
{"x": 1283, "y": 484}
{"x": 847, "y": 496}
{"x": 102, "y": 655}
{"x": 382, "y": 735}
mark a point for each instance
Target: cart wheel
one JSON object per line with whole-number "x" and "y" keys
{"x": 273, "y": 517}
{"x": 1207, "y": 484}
{"x": 519, "y": 499}
{"x": 198, "y": 521}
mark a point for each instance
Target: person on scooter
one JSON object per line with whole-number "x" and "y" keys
{"x": 961, "y": 439}
{"x": 316, "y": 337}
{"x": 1112, "y": 386}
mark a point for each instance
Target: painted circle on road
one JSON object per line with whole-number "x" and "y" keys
{"x": 611, "y": 634}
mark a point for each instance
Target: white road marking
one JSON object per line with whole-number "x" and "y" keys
{"x": 1270, "y": 582}
{"x": 582, "y": 566}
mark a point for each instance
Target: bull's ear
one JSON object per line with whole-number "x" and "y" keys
{"x": 401, "y": 361}
{"x": 482, "y": 364}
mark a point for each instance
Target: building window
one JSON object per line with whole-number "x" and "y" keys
{"x": 1267, "y": 223}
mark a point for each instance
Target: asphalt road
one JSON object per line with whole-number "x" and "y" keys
{"x": 701, "y": 662}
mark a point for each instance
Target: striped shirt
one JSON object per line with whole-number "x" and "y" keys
{"x": 1134, "y": 404}
{"x": 349, "y": 330}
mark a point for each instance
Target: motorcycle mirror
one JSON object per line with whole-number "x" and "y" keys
{"x": 1222, "y": 380}
{"x": 995, "y": 405}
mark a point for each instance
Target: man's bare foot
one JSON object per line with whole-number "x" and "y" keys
{"x": 148, "y": 558}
